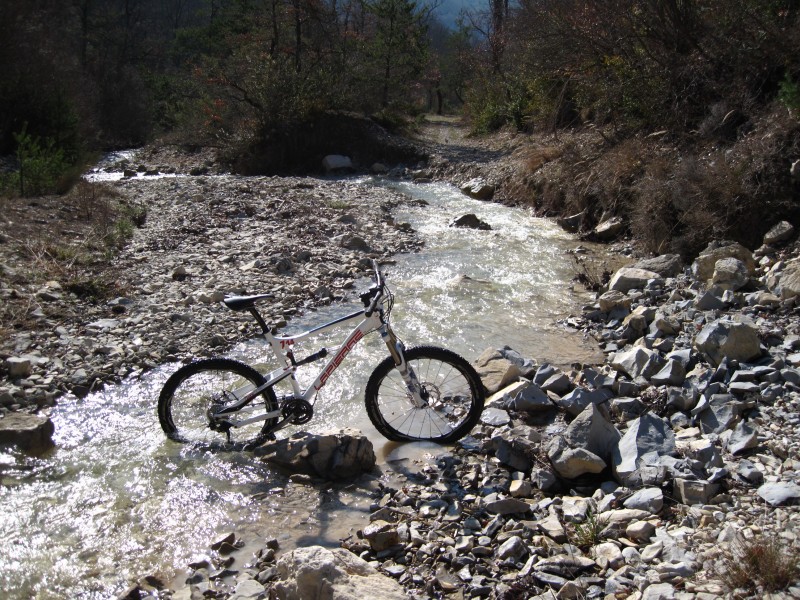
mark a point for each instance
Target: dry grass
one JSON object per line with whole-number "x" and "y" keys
{"x": 534, "y": 158}
{"x": 762, "y": 564}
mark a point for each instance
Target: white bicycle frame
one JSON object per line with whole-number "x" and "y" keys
{"x": 372, "y": 319}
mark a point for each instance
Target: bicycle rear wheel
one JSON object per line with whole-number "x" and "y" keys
{"x": 194, "y": 390}
{"x": 452, "y": 389}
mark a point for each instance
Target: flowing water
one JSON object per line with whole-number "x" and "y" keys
{"x": 115, "y": 500}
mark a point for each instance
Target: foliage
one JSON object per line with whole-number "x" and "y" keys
{"x": 589, "y": 533}
{"x": 789, "y": 93}
{"x": 41, "y": 165}
{"x": 762, "y": 564}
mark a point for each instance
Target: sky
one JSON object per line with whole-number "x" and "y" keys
{"x": 448, "y": 10}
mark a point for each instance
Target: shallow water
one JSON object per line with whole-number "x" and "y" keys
{"x": 116, "y": 500}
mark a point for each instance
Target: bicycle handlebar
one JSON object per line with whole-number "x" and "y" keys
{"x": 379, "y": 283}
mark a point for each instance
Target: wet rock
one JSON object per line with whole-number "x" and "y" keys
{"x": 471, "y": 221}
{"x": 32, "y": 433}
{"x": 341, "y": 455}
{"x": 478, "y": 189}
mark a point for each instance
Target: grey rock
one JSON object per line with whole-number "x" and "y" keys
{"x": 592, "y": 431}
{"x": 513, "y": 548}
{"x": 337, "y": 163}
{"x": 646, "y": 434}
{"x": 609, "y": 229}
{"x": 508, "y": 506}
{"x": 578, "y": 399}
{"x": 531, "y": 399}
{"x": 725, "y": 338}
{"x": 779, "y": 493}
{"x": 32, "y": 433}
{"x": 666, "y": 265}
{"x": 694, "y": 492}
{"x": 673, "y": 373}
{"x": 649, "y": 499}
{"x": 344, "y": 454}
{"x": 495, "y": 370}
{"x": 703, "y": 266}
{"x": 478, "y": 189}
{"x": 573, "y": 462}
{"x": 730, "y": 274}
{"x": 779, "y": 233}
{"x": 471, "y": 221}
{"x": 495, "y": 416}
{"x": 743, "y": 438}
{"x": 627, "y": 278}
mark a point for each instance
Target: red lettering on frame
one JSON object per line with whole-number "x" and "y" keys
{"x": 340, "y": 356}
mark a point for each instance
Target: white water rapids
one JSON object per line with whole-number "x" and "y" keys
{"x": 115, "y": 500}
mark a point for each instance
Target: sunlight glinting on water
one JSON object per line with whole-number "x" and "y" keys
{"x": 116, "y": 499}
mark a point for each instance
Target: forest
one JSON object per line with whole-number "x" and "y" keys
{"x": 80, "y": 77}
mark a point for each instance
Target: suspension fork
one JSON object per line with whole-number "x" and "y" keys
{"x": 418, "y": 394}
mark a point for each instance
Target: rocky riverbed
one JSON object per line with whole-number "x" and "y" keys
{"x": 651, "y": 475}
{"x": 669, "y": 471}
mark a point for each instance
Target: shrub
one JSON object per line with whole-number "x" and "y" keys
{"x": 789, "y": 93}
{"x": 761, "y": 564}
{"x": 41, "y": 164}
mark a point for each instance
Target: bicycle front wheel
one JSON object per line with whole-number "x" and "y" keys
{"x": 194, "y": 391}
{"x": 452, "y": 390}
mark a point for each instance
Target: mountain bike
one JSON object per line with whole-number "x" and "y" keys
{"x": 418, "y": 393}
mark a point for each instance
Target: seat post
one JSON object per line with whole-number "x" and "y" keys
{"x": 257, "y": 316}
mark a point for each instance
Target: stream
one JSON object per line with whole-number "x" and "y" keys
{"x": 115, "y": 500}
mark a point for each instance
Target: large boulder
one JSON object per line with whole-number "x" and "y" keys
{"x": 609, "y": 229}
{"x": 730, "y": 274}
{"x": 592, "y": 431}
{"x": 637, "y": 362}
{"x": 337, "y": 163}
{"x": 335, "y": 573}
{"x": 478, "y": 189}
{"x": 573, "y": 462}
{"x": 703, "y": 266}
{"x": 666, "y": 265}
{"x": 725, "y": 338}
{"x": 32, "y": 433}
{"x": 497, "y": 369}
{"x": 646, "y": 434}
{"x": 336, "y": 455}
{"x": 630, "y": 278}
{"x": 471, "y": 221}
{"x": 780, "y": 233}
{"x": 789, "y": 283}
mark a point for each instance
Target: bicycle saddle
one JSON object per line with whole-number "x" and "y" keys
{"x": 244, "y": 302}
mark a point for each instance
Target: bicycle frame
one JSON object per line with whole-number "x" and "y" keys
{"x": 370, "y": 320}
